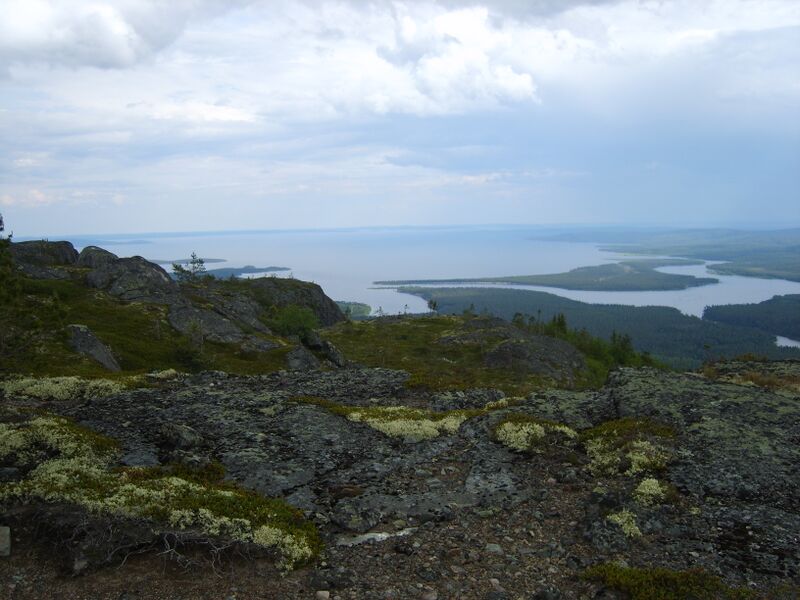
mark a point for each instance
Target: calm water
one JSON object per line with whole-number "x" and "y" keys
{"x": 346, "y": 262}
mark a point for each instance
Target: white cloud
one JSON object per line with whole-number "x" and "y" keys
{"x": 27, "y": 199}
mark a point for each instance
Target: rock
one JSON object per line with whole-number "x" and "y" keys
{"x": 322, "y": 595}
{"x": 5, "y": 541}
{"x": 285, "y": 292}
{"x": 133, "y": 279}
{"x": 537, "y": 355}
{"x": 497, "y": 595}
{"x": 301, "y": 359}
{"x": 44, "y": 253}
{"x": 192, "y": 321}
{"x": 179, "y": 437}
{"x": 494, "y": 549}
{"x": 333, "y": 354}
{"x": 548, "y": 593}
{"x": 313, "y": 341}
{"x": 44, "y": 260}
{"x": 84, "y": 341}
{"x": 94, "y": 257}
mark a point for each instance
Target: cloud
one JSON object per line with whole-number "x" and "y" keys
{"x": 166, "y": 104}
{"x": 105, "y": 34}
{"x": 27, "y": 199}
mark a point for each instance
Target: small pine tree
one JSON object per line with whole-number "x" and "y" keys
{"x": 195, "y": 269}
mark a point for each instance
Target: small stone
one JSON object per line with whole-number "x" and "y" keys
{"x": 548, "y": 593}
{"x": 323, "y": 595}
{"x": 494, "y": 548}
{"x": 495, "y": 583}
{"x": 5, "y": 541}
{"x": 430, "y": 595}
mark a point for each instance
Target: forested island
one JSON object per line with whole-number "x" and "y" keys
{"x": 627, "y": 276}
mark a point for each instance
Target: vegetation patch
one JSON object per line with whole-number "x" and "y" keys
{"x": 628, "y": 446}
{"x": 665, "y": 584}
{"x": 68, "y": 463}
{"x": 650, "y": 492}
{"x": 410, "y": 424}
{"x": 524, "y": 433}
{"x": 413, "y": 344}
{"x": 60, "y": 388}
{"x": 138, "y": 333}
{"x": 626, "y": 521}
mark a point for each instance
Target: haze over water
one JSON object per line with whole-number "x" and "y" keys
{"x": 346, "y": 262}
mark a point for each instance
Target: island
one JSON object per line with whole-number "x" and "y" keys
{"x": 627, "y": 276}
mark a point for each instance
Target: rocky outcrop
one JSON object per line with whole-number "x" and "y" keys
{"x": 133, "y": 279}
{"x": 732, "y": 469}
{"x": 44, "y": 260}
{"x": 538, "y": 355}
{"x": 83, "y": 341}
{"x": 93, "y": 257}
{"x": 280, "y": 292}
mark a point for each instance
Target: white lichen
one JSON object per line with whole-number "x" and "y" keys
{"x": 626, "y": 521}
{"x": 60, "y": 388}
{"x": 528, "y": 435}
{"x": 649, "y": 492}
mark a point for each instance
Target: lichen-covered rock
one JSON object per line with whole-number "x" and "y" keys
{"x": 301, "y": 359}
{"x": 210, "y": 325}
{"x": 285, "y": 292}
{"x": 83, "y": 341}
{"x": 44, "y": 260}
{"x": 133, "y": 279}
{"x": 537, "y": 355}
{"x": 93, "y": 257}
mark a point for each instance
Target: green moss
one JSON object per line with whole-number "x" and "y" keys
{"x": 665, "y": 584}
{"x": 69, "y": 463}
{"x": 630, "y": 446}
{"x": 412, "y": 344}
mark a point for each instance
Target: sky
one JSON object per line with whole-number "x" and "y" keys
{"x": 144, "y": 116}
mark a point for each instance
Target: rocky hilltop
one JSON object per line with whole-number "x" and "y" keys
{"x": 428, "y": 457}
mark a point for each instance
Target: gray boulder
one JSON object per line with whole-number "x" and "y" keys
{"x": 133, "y": 279}
{"x": 44, "y": 260}
{"x": 44, "y": 254}
{"x": 284, "y": 292}
{"x": 95, "y": 258}
{"x": 301, "y": 359}
{"x": 537, "y": 355}
{"x": 84, "y": 341}
{"x": 190, "y": 320}
{"x": 333, "y": 354}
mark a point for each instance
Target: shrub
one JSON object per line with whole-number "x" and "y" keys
{"x": 665, "y": 584}
{"x": 294, "y": 320}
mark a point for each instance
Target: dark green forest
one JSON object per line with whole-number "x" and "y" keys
{"x": 779, "y": 316}
{"x": 665, "y": 333}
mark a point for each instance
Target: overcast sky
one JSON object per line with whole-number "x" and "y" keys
{"x": 146, "y": 115}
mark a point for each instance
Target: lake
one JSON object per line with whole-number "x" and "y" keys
{"x": 346, "y": 262}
